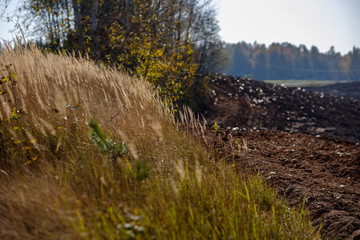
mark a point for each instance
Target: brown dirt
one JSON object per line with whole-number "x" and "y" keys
{"x": 350, "y": 89}
{"x": 243, "y": 103}
{"x": 321, "y": 167}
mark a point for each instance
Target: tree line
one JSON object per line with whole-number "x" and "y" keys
{"x": 286, "y": 61}
{"x": 166, "y": 42}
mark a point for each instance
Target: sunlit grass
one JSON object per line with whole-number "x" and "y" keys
{"x": 89, "y": 152}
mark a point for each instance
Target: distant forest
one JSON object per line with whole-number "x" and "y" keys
{"x": 286, "y": 61}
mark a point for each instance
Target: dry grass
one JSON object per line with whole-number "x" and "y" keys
{"x": 58, "y": 183}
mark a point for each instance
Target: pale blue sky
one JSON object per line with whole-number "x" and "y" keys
{"x": 4, "y": 25}
{"x": 323, "y": 23}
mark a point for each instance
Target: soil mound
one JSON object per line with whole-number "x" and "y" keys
{"x": 350, "y": 90}
{"x": 304, "y": 143}
{"x": 244, "y": 103}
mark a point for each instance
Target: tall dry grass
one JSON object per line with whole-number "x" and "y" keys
{"x": 57, "y": 182}
{"x": 60, "y": 92}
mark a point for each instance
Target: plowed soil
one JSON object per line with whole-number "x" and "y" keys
{"x": 303, "y": 143}
{"x": 244, "y": 103}
{"x": 350, "y": 89}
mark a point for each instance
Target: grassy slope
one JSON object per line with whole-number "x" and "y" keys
{"x": 56, "y": 182}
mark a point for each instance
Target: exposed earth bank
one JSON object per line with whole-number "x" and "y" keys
{"x": 303, "y": 143}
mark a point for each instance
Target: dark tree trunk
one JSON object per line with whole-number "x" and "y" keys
{"x": 78, "y": 27}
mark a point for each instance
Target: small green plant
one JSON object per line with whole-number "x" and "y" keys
{"x": 216, "y": 127}
{"x": 141, "y": 171}
{"x": 106, "y": 144}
